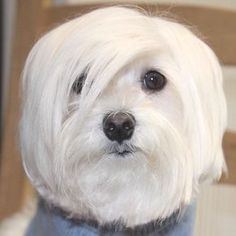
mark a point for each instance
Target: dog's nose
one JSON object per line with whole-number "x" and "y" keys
{"x": 119, "y": 126}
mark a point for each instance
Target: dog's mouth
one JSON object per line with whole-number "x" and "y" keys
{"x": 121, "y": 150}
{"x": 121, "y": 154}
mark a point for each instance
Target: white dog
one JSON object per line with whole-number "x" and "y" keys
{"x": 123, "y": 118}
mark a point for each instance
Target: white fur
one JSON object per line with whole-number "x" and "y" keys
{"x": 179, "y": 130}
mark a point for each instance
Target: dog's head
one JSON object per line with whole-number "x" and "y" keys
{"x": 123, "y": 116}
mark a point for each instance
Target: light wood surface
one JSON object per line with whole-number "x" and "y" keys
{"x": 229, "y": 145}
{"x": 33, "y": 20}
{"x": 216, "y": 211}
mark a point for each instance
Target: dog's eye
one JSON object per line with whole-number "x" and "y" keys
{"x": 154, "y": 80}
{"x": 78, "y": 84}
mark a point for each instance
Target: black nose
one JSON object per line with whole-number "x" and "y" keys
{"x": 119, "y": 126}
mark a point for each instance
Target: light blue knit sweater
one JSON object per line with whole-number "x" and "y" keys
{"x": 51, "y": 222}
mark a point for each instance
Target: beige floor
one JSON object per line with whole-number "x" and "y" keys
{"x": 216, "y": 211}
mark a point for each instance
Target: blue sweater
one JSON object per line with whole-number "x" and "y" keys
{"x": 52, "y": 222}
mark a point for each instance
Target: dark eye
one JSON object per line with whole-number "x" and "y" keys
{"x": 78, "y": 84}
{"x": 154, "y": 80}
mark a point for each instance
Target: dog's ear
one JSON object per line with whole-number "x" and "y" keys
{"x": 217, "y": 115}
{"x": 210, "y": 116}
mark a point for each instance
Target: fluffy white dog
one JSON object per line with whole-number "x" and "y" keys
{"x": 123, "y": 117}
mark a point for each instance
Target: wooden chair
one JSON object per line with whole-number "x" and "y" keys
{"x": 36, "y": 17}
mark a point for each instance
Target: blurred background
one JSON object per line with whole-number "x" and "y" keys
{"x": 22, "y": 23}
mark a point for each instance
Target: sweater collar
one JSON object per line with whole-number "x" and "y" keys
{"x": 52, "y": 221}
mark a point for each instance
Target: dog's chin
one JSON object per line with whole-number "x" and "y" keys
{"x": 121, "y": 181}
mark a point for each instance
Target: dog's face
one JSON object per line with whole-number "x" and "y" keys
{"x": 123, "y": 116}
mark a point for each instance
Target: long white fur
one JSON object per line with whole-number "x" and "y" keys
{"x": 179, "y": 129}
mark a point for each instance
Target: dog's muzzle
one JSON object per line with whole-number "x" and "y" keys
{"x": 119, "y": 126}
